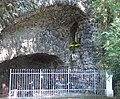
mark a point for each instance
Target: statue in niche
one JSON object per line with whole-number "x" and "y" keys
{"x": 75, "y": 43}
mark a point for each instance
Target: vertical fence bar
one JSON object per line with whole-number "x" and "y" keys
{"x": 10, "y": 80}
{"x": 94, "y": 82}
{"x": 53, "y": 81}
{"x": 33, "y": 82}
{"x": 68, "y": 80}
{"x": 24, "y": 82}
{"x": 40, "y": 82}
{"x": 15, "y": 79}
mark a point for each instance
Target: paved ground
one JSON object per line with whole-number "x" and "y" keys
{"x": 78, "y": 97}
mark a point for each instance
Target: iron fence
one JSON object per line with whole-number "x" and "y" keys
{"x": 55, "y": 83}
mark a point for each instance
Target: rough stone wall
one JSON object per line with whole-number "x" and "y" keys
{"x": 47, "y": 31}
{"x": 89, "y": 53}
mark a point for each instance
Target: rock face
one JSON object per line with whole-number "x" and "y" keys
{"x": 47, "y": 31}
{"x": 42, "y": 39}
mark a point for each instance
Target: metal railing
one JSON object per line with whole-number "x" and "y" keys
{"x": 55, "y": 83}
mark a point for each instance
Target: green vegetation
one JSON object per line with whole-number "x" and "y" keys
{"x": 107, "y": 13}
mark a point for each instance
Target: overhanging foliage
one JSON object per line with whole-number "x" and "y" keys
{"x": 107, "y": 13}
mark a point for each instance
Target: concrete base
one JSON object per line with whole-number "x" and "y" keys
{"x": 109, "y": 93}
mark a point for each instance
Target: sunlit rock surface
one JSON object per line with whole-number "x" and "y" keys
{"x": 47, "y": 30}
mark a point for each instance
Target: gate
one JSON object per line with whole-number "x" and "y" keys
{"x": 39, "y": 83}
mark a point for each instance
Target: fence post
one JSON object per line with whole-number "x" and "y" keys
{"x": 109, "y": 90}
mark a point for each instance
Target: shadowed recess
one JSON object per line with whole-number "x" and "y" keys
{"x": 37, "y": 60}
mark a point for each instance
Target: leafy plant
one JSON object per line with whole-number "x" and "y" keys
{"x": 107, "y": 14}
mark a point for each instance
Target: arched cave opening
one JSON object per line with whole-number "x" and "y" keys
{"x": 31, "y": 61}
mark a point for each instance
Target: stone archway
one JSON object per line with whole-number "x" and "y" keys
{"x": 47, "y": 30}
{"x": 31, "y": 61}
